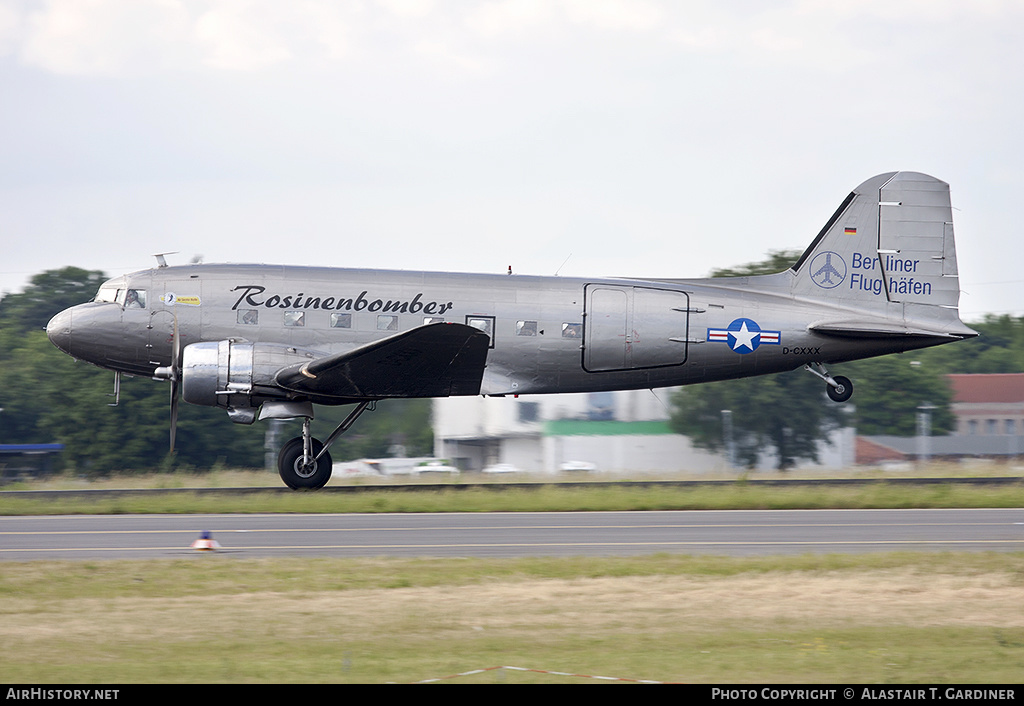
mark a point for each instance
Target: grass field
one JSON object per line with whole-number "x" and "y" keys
{"x": 878, "y": 618}
{"x": 453, "y": 496}
{"x": 910, "y": 618}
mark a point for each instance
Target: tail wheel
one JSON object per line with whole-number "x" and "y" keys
{"x": 301, "y": 476}
{"x": 842, "y": 391}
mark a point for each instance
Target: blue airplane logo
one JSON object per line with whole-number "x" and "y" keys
{"x": 825, "y": 270}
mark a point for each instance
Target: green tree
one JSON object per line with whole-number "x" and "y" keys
{"x": 46, "y": 396}
{"x": 48, "y": 293}
{"x": 776, "y": 261}
{"x": 404, "y": 423}
{"x": 30, "y": 368}
{"x": 786, "y": 414}
{"x": 999, "y": 348}
{"x": 891, "y": 388}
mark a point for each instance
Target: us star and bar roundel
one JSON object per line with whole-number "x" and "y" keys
{"x": 744, "y": 336}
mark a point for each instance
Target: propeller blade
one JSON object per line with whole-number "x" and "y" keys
{"x": 174, "y": 412}
{"x": 175, "y": 362}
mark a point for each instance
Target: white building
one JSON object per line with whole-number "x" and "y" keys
{"x": 621, "y": 432}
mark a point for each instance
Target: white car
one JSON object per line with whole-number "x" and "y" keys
{"x": 501, "y": 468}
{"x": 575, "y": 466}
{"x": 435, "y": 467}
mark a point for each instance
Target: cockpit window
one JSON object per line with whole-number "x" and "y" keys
{"x": 131, "y": 298}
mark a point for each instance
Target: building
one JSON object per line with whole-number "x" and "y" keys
{"x": 988, "y": 405}
{"x": 989, "y": 409}
{"x": 624, "y": 432}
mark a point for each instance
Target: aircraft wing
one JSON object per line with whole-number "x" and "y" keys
{"x": 436, "y": 360}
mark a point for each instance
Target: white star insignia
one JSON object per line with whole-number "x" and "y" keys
{"x": 744, "y": 337}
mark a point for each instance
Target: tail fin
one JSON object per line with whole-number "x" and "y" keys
{"x": 890, "y": 242}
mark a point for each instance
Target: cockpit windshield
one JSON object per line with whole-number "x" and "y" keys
{"x": 106, "y": 294}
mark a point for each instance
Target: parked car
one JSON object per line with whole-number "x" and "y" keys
{"x": 576, "y": 466}
{"x": 501, "y": 468}
{"x": 435, "y": 467}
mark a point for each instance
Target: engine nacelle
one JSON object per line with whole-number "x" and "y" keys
{"x": 234, "y": 374}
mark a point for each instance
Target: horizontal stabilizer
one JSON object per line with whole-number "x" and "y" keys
{"x": 886, "y": 329}
{"x": 436, "y": 360}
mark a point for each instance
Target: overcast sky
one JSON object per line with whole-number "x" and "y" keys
{"x": 589, "y": 137}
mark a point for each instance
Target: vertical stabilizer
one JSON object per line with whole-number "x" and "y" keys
{"x": 891, "y": 241}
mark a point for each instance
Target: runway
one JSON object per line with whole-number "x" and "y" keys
{"x": 733, "y": 532}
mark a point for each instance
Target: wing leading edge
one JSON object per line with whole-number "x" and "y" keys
{"x": 436, "y": 360}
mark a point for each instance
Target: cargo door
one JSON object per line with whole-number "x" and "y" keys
{"x": 629, "y": 328}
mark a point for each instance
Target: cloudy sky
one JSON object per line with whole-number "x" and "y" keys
{"x": 589, "y": 137}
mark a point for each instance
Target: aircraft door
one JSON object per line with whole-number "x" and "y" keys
{"x": 605, "y": 342}
{"x": 628, "y": 328}
{"x": 170, "y": 300}
{"x": 660, "y": 325}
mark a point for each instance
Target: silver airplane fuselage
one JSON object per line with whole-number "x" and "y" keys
{"x": 547, "y": 334}
{"x": 265, "y": 341}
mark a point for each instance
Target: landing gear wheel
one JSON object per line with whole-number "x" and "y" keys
{"x": 299, "y": 476}
{"x": 843, "y": 390}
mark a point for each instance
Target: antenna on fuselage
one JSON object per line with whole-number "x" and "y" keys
{"x": 160, "y": 260}
{"x": 563, "y": 264}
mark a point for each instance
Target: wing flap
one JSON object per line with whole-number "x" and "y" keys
{"x": 436, "y": 360}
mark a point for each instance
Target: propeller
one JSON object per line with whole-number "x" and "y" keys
{"x": 175, "y": 379}
{"x": 172, "y": 373}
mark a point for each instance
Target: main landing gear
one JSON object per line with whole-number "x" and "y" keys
{"x": 304, "y": 463}
{"x": 839, "y": 388}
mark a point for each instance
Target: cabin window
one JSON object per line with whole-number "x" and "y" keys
{"x": 484, "y": 323}
{"x": 1010, "y": 426}
{"x": 526, "y": 328}
{"x": 248, "y": 317}
{"x": 294, "y": 318}
{"x": 341, "y": 320}
{"x": 572, "y": 330}
{"x": 529, "y": 412}
{"x": 387, "y": 322}
{"x": 433, "y": 320}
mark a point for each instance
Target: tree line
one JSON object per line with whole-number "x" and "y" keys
{"x": 789, "y": 413}
{"x": 47, "y": 397}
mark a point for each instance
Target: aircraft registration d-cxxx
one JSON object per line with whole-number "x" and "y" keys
{"x": 270, "y": 342}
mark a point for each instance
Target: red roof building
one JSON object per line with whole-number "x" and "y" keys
{"x": 990, "y": 424}
{"x": 988, "y": 405}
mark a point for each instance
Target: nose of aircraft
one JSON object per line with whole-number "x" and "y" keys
{"x": 59, "y": 330}
{"x": 95, "y": 332}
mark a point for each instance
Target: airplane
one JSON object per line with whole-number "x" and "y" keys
{"x": 270, "y": 342}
